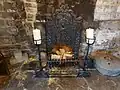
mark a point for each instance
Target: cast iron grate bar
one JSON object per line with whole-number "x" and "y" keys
{"x": 63, "y": 60}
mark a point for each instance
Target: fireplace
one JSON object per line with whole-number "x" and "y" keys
{"x": 63, "y": 32}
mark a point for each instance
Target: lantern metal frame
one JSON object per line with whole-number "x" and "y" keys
{"x": 38, "y": 48}
{"x": 86, "y": 56}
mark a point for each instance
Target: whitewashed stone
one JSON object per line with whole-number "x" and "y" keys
{"x": 107, "y": 10}
{"x": 18, "y": 56}
{"x": 107, "y": 35}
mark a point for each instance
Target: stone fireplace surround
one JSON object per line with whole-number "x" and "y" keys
{"x": 63, "y": 27}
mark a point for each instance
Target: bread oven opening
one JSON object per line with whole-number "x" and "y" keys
{"x": 62, "y": 52}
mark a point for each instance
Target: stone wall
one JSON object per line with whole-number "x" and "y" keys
{"x": 7, "y": 27}
{"x": 107, "y": 10}
{"x": 17, "y": 19}
{"x": 107, "y": 35}
{"x": 16, "y": 24}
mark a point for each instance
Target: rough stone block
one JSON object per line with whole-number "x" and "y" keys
{"x": 1, "y": 7}
{"x": 31, "y": 10}
{"x": 9, "y": 22}
{"x": 3, "y": 32}
{"x": 7, "y": 15}
{"x": 5, "y": 40}
{"x": 29, "y": 28}
{"x": 31, "y": 0}
{"x": 118, "y": 9}
{"x": 30, "y": 17}
{"x": 32, "y": 5}
{"x": 1, "y": 14}
{"x": 18, "y": 56}
{"x": 107, "y": 10}
{"x": 22, "y": 15}
{"x": 106, "y": 34}
{"x": 7, "y": 5}
{"x": 15, "y": 16}
{"x": 25, "y": 57}
{"x": 9, "y": 0}
{"x": 2, "y": 22}
{"x": 28, "y": 4}
{"x": 29, "y": 25}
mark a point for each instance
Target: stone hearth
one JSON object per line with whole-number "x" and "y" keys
{"x": 27, "y": 81}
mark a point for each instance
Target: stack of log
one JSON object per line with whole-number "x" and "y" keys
{"x": 62, "y": 52}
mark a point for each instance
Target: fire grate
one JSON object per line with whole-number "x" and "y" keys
{"x": 63, "y": 73}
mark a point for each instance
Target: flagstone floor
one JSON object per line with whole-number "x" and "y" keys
{"x": 95, "y": 82}
{"x": 25, "y": 80}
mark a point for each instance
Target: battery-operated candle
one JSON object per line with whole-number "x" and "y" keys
{"x": 37, "y": 36}
{"x": 90, "y": 35}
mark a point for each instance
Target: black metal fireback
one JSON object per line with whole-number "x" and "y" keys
{"x": 63, "y": 27}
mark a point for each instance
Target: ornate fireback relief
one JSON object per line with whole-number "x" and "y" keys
{"x": 64, "y": 28}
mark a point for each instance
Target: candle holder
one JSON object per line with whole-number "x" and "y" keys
{"x": 37, "y": 42}
{"x": 90, "y": 40}
{"x": 39, "y": 73}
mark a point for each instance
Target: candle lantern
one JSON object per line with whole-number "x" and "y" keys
{"x": 90, "y": 36}
{"x": 37, "y": 36}
{"x": 37, "y": 41}
{"x": 90, "y": 39}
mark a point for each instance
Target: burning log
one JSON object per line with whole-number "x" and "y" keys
{"x": 62, "y": 52}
